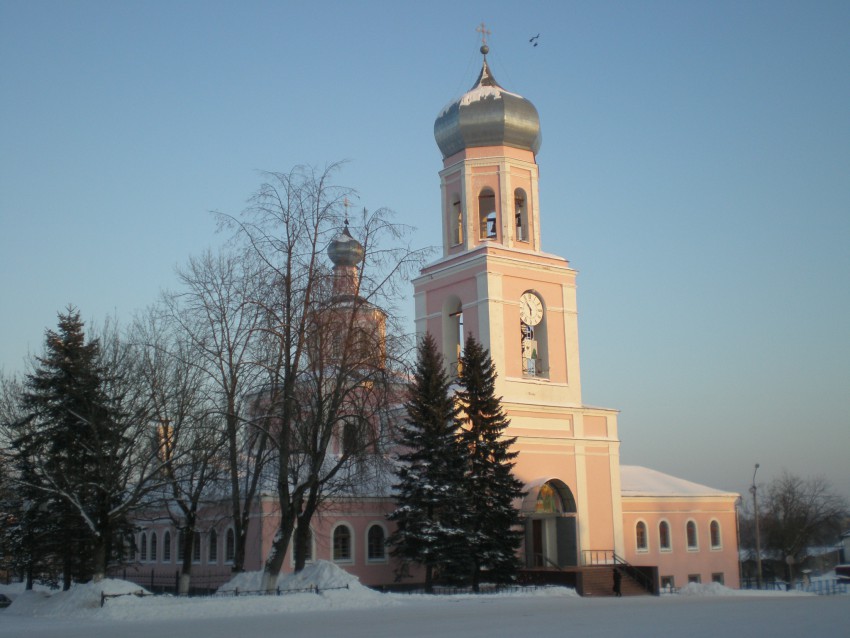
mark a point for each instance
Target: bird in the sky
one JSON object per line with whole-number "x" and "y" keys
{"x": 532, "y": 40}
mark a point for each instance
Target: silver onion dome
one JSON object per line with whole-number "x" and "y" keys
{"x": 487, "y": 115}
{"x": 344, "y": 250}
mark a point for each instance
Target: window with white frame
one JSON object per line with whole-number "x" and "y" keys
{"x": 166, "y": 547}
{"x": 342, "y": 545}
{"x": 641, "y": 541}
{"x": 143, "y": 547}
{"x": 714, "y": 533}
{"x": 153, "y": 547}
{"x": 213, "y": 549}
{"x": 664, "y": 542}
{"x": 376, "y": 543}
{"x": 691, "y": 531}
{"x": 230, "y": 545}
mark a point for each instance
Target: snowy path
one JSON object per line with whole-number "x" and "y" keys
{"x": 490, "y": 617}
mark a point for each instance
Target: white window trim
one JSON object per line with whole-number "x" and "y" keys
{"x": 352, "y": 544}
{"x": 661, "y": 547}
{"x": 695, "y": 546}
{"x": 638, "y": 548}
{"x": 385, "y": 557}
{"x": 229, "y": 561}
{"x": 312, "y": 549}
{"x": 210, "y": 545}
{"x": 719, "y": 546}
{"x": 166, "y": 534}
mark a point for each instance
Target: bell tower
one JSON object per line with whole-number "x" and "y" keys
{"x": 495, "y": 282}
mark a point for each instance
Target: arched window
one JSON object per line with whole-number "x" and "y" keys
{"x": 714, "y": 530}
{"x": 166, "y": 547}
{"x": 342, "y": 544}
{"x": 664, "y": 536}
{"x": 453, "y": 336}
{"x": 376, "y": 547}
{"x": 521, "y": 228}
{"x": 350, "y": 443}
{"x": 143, "y": 547}
{"x": 213, "y": 551}
{"x": 691, "y": 530}
{"x": 456, "y": 219}
{"x": 196, "y": 548}
{"x": 308, "y": 550}
{"x": 153, "y": 546}
{"x": 230, "y": 545}
{"x": 487, "y": 214}
{"x": 641, "y": 541}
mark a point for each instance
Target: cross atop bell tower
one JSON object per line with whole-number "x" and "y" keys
{"x": 484, "y": 31}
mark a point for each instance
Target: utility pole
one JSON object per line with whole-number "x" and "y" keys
{"x": 753, "y": 491}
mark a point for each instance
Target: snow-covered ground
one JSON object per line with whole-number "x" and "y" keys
{"x": 345, "y": 608}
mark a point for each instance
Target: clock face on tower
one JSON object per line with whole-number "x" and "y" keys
{"x": 530, "y": 309}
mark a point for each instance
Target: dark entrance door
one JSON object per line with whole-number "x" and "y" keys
{"x": 567, "y": 545}
{"x": 537, "y": 542}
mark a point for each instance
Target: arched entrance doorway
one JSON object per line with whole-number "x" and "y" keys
{"x": 550, "y": 525}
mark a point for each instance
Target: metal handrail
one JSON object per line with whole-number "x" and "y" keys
{"x": 592, "y": 556}
{"x": 546, "y": 559}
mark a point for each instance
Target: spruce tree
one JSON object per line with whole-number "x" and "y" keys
{"x": 68, "y": 448}
{"x": 494, "y": 534}
{"x": 429, "y": 493}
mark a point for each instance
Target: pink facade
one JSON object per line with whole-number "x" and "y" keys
{"x": 691, "y": 536}
{"x": 494, "y": 282}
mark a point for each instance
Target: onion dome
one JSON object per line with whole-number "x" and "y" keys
{"x": 344, "y": 250}
{"x": 487, "y": 115}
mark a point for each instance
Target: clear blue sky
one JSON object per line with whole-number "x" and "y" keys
{"x": 695, "y": 170}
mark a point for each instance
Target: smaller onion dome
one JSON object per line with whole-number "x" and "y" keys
{"x": 344, "y": 250}
{"x": 487, "y": 115}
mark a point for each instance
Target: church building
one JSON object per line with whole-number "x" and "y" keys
{"x": 583, "y": 511}
{"x": 494, "y": 281}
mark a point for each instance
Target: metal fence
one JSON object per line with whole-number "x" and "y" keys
{"x": 821, "y": 586}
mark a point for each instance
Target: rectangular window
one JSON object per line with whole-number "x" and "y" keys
{"x": 668, "y": 584}
{"x": 717, "y": 577}
{"x": 694, "y": 578}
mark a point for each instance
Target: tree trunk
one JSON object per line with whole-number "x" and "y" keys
{"x": 66, "y": 575}
{"x": 186, "y": 566}
{"x": 300, "y": 542}
{"x": 280, "y": 543}
{"x": 99, "y": 558}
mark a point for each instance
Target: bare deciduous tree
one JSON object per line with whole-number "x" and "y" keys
{"x": 333, "y": 371}
{"x": 797, "y": 514}
{"x": 188, "y": 429}
{"x": 218, "y": 314}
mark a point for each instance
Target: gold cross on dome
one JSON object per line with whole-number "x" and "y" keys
{"x": 484, "y": 31}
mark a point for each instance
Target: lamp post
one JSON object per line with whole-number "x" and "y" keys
{"x": 754, "y": 491}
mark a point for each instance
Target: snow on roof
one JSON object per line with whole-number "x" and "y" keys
{"x": 642, "y": 481}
